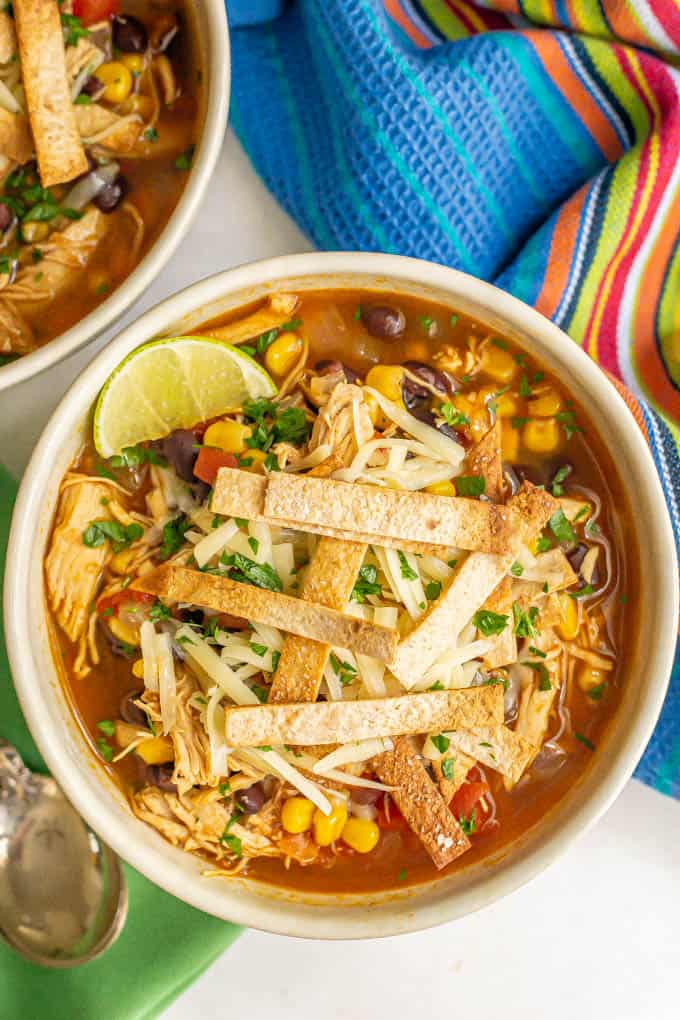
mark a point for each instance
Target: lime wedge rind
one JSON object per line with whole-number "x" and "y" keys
{"x": 170, "y": 383}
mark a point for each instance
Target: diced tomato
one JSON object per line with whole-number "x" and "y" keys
{"x": 111, "y": 605}
{"x": 91, "y": 11}
{"x": 466, "y": 801}
{"x": 209, "y": 461}
{"x": 389, "y": 817}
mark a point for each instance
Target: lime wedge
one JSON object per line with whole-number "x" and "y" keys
{"x": 174, "y": 384}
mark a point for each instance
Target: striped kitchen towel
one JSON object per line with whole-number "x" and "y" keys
{"x": 535, "y": 143}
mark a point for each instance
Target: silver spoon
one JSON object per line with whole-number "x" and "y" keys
{"x": 63, "y": 897}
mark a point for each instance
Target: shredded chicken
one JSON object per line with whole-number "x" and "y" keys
{"x": 343, "y": 422}
{"x": 72, "y": 569}
{"x": 190, "y": 741}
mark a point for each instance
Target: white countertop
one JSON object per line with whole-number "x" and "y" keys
{"x": 597, "y": 936}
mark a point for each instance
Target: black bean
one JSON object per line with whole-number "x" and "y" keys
{"x": 6, "y": 217}
{"x": 112, "y": 194}
{"x": 432, "y": 376}
{"x": 251, "y": 799}
{"x": 132, "y": 713}
{"x": 576, "y": 557}
{"x": 161, "y": 776}
{"x": 327, "y": 367}
{"x": 192, "y": 616}
{"x": 129, "y": 34}
{"x": 91, "y": 86}
{"x": 180, "y": 450}
{"x": 384, "y": 321}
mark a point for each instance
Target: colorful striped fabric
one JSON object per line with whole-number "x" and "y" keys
{"x": 535, "y": 143}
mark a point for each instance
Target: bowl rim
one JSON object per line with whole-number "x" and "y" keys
{"x": 270, "y": 914}
{"x": 217, "y": 48}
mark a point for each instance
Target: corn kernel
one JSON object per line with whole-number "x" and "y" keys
{"x": 120, "y": 563}
{"x": 387, "y": 379}
{"x": 156, "y": 750}
{"x": 588, "y": 677}
{"x": 542, "y": 435}
{"x": 509, "y": 443}
{"x": 327, "y": 828}
{"x": 568, "y": 628}
{"x": 445, "y": 488}
{"x": 140, "y": 104}
{"x": 507, "y": 406}
{"x": 361, "y": 834}
{"x": 117, "y": 81}
{"x": 122, "y": 631}
{"x": 547, "y": 405}
{"x": 229, "y": 436}
{"x": 133, "y": 61}
{"x": 282, "y": 355}
{"x": 297, "y": 814}
{"x": 258, "y": 457}
{"x": 33, "y": 233}
{"x": 138, "y": 669}
{"x": 500, "y": 365}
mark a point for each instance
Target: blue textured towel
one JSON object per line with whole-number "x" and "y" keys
{"x": 518, "y": 154}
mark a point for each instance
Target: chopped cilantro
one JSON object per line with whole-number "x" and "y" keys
{"x": 489, "y": 623}
{"x": 105, "y": 749}
{"x": 107, "y": 727}
{"x": 224, "y": 788}
{"x": 561, "y": 475}
{"x": 543, "y": 675}
{"x": 543, "y": 544}
{"x": 258, "y": 649}
{"x": 135, "y": 456}
{"x": 402, "y": 874}
{"x": 596, "y": 693}
{"x": 366, "y": 584}
{"x": 516, "y": 569}
{"x": 453, "y": 321}
{"x": 184, "y": 160}
{"x": 448, "y": 768}
{"x": 261, "y": 693}
{"x": 468, "y": 825}
{"x": 587, "y": 589}
{"x": 151, "y": 135}
{"x": 159, "y": 611}
{"x": 173, "y": 536}
{"x": 525, "y": 389}
{"x": 567, "y": 420}
{"x": 524, "y": 620}
{"x": 440, "y": 742}
{"x": 584, "y": 740}
{"x": 561, "y": 528}
{"x": 254, "y": 544}
{"x": 470, "y": 485}
{"x": 433, "y": 590}
{"x": 120, "y": 535}
{"x": 243, "y": 569}
{"x": 536, "y": 651}
{"x": 451, "y": 416}
{"x": 407, "y": 571}
{"x": 73, "y": 29}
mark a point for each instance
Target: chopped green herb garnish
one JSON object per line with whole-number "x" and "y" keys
{"x": 453, "y": 321}
{"x": 567, "y": 420}
{"x": 543, "y": 675}
{"x": 468, "y": 825}
{"x": 73, "y": 29}
{"x": 501, "y": 344}
{"x": 120, "y": 535}
{"x": 525, "y": 389}
{"x": 536, "y": 651}
{"x": 159, "y": 611}
{"x": 587, "y": 589}
{"x": 173, "y": 536}
{"x": 105, "y": 749}
{"x": 436, "y": 686}
{"x": 516, "y": 569}
{"x": 357, "y": 313}
{"x": 367, "y": 583}
{"x": 584, "y": 740}
{"x": 243, "y": 569}
{"x": 470, "y": 485}
{"x": 258, "y": 649}
{"x": 224, "y": 788}
{"x": 83, "y": 99}
{"x": 184, "y": 160}
{"x": 563, "y": 473}
{"x": 585, "y": 509}
{"x": 440, "y": 742}
{"x": 561, "y": 528}
{"x": 407, "y": 571}
{"x": 448, "y": 767}
{"x": 451, "y": 416}
{"x": 489, "y": 623}
{"x": 254, "y": 544}
{"x": 426, "y": 322}
{"x": 525, "y": 621}
{"x": 402, "y": 874}
{"x": 596, "y": 693}
{"x": 107, "y": 727}
{"x": 543, "y": 544}
{"x": 261, "y": 693}
{"x": 151, "y": 135}
{"x": 271, "y": 462}
{"x": 135, "y": 456}
{"x": 518, "y": 421}
{"x": 433, "y": 590}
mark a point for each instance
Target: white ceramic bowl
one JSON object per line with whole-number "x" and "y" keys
{"x": 240, "y": 900}
{"x": 213, "y": 40}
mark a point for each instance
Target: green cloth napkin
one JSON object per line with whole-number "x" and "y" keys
{"x": 165, "y": 944}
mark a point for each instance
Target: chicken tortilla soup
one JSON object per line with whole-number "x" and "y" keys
{"x": 339, "y": 589}
{"x": 99, "y": 110}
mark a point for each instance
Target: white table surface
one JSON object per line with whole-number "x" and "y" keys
{"x": 597, "y": 936}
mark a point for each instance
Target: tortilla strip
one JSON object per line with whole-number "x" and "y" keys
{"x": 277, "y": 311}
{"x": 421, "y": 803}
{"x": 175, "y": 583}
{"x": 472, "y": 583}
{"x": 419, "y": 516}
{"x": 241, "y": 494}
{"x": 551, "y": 568}
{"x": 61, "y": 156}
{"x": 387, "y": 517}
{"x": 323, "y": 722}
{"x": 498, "y": 748}
{"x": 328, "y": 582}
{"x": 485, "y": 460}
{"x": 102, "y": 127}
{"x": 462, "y": 763}
{"x": 8, "y": 38}
{"x": 504, "y": 648}
{"x": 15, "y": 137}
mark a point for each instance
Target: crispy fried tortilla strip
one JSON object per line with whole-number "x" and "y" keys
{"x": 504, "y": 648}
{"x": 498, "y": 748}
{"x": 174, "y": 583}
{"x": 472, "y": 583}
{"x": 391, "y": 513}
{"x": 15, "y": 137}
{"x": 61, "y": 156}
{"x": 458, "y": 770}
{"x": 551, "y": 568}
{"x": 535, "y": 708}
{"x": 323, "y": 722}
{"x": 421, "y": 803}
{"x": 485, "y": 460}
{"x": 102, "y": 127}
{"x": 328, "y": 582}
{"x": 8, "y": 38}
{"x": 366, "y": 513}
